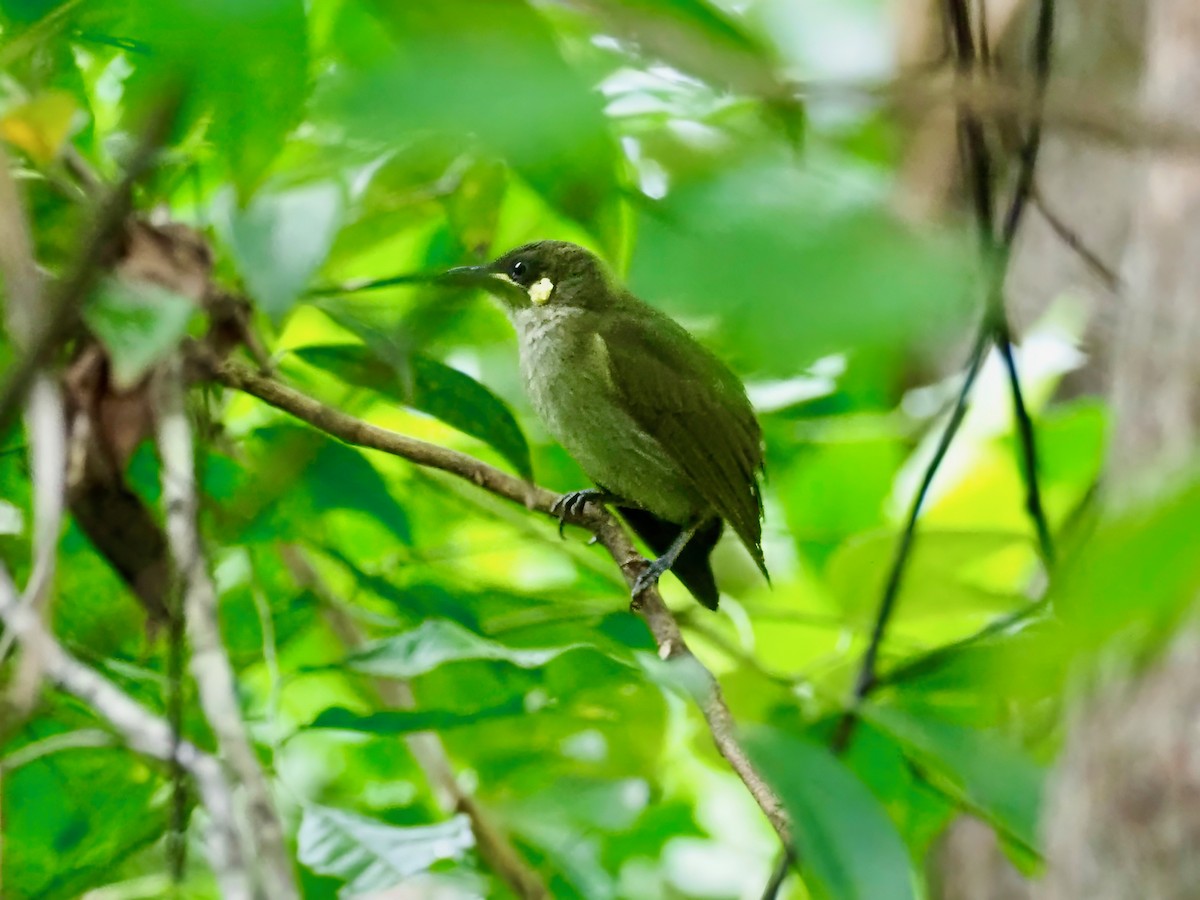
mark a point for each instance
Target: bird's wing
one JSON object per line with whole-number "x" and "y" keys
{"x": 695, "y": 409}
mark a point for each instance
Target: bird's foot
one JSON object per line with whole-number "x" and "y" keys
{"x": 648, "y": 579}
{"x": 572, "y": 504}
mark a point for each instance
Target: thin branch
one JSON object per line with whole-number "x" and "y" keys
{"x": 1107, "y": 275}
{"x": 607, "y": 530}
{"x": 1027, "y": 447}
{"x": 492, "y": 844}
{"x": 211, "y": 668}
{"x": 1043, "y": 42}
{"x": 978, "y": 166}
{"x": 142, "y": 732}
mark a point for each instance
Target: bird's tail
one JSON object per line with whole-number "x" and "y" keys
{"x": 692, "y": 566}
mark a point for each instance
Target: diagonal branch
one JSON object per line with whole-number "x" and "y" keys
{"x": 608, "y": 532}
{"x": 211, "y": 668}
{"x": 142, "y": 731}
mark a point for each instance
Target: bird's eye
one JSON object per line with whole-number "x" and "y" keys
{"x": 519, "y": 271}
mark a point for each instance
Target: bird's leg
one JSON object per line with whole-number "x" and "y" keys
{"x": 654, "y": 571}
{"x": 572, "y": 504}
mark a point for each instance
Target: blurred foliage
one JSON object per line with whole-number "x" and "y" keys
{"x": 326, "y": 142}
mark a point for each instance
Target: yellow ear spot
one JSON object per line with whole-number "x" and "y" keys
{"x": 540, "y": 291}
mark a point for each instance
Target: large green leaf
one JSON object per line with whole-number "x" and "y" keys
{"x": 246, "y": 64}
{"x": 439, "y": 641}
{"x": 280, "y": 239}
{"x": 998, "y": 780}
{"x": 848, "y": 848}
{"x": 300, "y": 472}
{"x": 139, "y": 324}
{"x": 490, "y": 73}
{"x": 370, "y": 855}
{"x": 432, "y": 387}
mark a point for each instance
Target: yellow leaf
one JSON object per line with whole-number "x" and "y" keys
{"x": 40, "y": 126}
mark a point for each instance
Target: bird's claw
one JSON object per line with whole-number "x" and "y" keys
{"x": 572, "y": 505}
{"x": 647, "y": 580}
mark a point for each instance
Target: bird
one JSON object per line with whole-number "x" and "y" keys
{"x": 661, "y": 426}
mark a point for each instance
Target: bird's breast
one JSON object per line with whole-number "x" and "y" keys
{"x": 565, "y": 368}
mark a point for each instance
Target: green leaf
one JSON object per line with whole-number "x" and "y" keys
{"x": 340, "y": 477}
{"x": 697, "y": 37}
{"x": 432, "y": 387}
{"x": 246, "y": 65}
{"x": 139, "y": 324}
{"x": 439, "y": 641}
{"x": 280, "y": 239}
{"x": 459, "y": 69}
{"x": 406, "y": 721}
{"x": 848, "y": 848}
{"x": 299, "y": 472}
{"x": 996, "y": 778}
{"x": 370, "y": 855}
{"x": 1135, "y": 575}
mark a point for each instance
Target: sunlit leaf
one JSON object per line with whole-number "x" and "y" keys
{"x": 439, "y": 641}
{"x": 696, "y": 37}
{"x": 847, "y": 846}
{"x": 40, "y": 125}
{"x": 280, "y": 239}
{"x": 999, "y": 781}
{"x": 370, "y": 855}
{"x": 139, "y": 324}
{"x": 432, "y": 387}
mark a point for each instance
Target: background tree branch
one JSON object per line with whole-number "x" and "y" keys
{"x": 211, "y": 668}
{"x": 143, "y": 732}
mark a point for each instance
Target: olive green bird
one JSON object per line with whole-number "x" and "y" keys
{"x": 660, "y": 425}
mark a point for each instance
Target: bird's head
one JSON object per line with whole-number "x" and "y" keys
{"x": 543, "y": 275}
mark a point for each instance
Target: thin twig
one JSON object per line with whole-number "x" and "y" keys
{"x": 978, "y": 167}
{"x": 1107, "y": 275}
{"x": 609, "y": 533}
{"x": 142, "y": 732}
{"x": 211, "y": 668}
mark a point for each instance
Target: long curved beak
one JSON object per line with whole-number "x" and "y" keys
{"x": 467, "y": 275}
{"x": 491, "y": 281}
